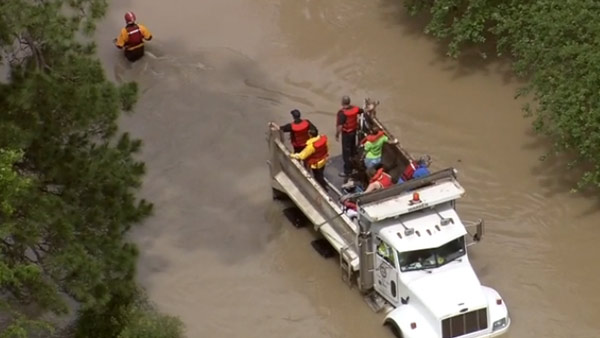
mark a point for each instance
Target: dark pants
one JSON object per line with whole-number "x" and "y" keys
{"x": 134, "y": 54}
{"x": 348, "y": 150}
{"x": 298, "y": 149}
{"x": 319, "y": 177}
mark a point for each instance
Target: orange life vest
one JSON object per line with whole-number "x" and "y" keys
{"x": 372, "y": 138}
{"x": 134, "y": 36}
{"x": 351, "y": 119}
{"x": 409, "y": 171}
{"x": 300, "y": 133}
{"x": 383, "y": 178}
{"x": 321, "y": 151}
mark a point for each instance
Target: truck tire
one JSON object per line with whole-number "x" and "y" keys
{"x": 394, "y": 328}
{"x": 278, "y": 195}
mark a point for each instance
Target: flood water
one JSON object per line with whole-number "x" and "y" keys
{"x": 218, "y": 252}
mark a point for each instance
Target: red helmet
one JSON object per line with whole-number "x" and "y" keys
{"x": 129, "y": 17}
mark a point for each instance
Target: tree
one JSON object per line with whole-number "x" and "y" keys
{"x": 14, "y": 190}
{"x": 70, "y": 177}
{"x": 554, "y": 44}
{"x": 145, "y": 322}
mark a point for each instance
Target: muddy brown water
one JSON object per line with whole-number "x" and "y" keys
{"x": 218, "y": 252}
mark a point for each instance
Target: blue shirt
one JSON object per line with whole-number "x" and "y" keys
{"x": 421, "y": 171}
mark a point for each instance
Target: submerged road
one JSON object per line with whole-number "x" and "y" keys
{"x": 219, "y": 254}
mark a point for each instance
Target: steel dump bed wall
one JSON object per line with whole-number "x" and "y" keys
{"x": 412, "y": 185}
{"x": 326, "y": 214}
{"x": 403, "y": 202}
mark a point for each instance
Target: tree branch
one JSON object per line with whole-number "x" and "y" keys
{"x": 35, "y": 51}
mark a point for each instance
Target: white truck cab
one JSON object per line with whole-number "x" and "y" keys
{"x": 422, "y": 269}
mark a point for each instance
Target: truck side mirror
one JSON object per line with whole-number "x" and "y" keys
{"x": 478, "y": 235}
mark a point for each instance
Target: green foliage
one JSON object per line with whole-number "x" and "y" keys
{"x": 21, "y": 327}
{"x": 44, "y": 29}
{"x": 145, "y": 322}
{"x": 14, "y": 188}
{"x": 68, "y": 178}
{"x": 555, "y": 45}
{"x": 12, "y": 185}
{"x": 127, "y": 315}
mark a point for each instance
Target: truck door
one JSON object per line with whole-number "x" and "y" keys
{"x": 386, "y": 271}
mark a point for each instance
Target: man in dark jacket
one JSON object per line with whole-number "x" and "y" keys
{"x": 298, "y": 130}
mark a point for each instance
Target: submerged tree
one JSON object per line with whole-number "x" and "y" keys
{"x": 68, "y": 183}
{"x": 555, "y": 45}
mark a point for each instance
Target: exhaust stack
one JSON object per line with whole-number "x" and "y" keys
{"x": 365, "y": 247}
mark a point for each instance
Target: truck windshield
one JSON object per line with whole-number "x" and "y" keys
{"x": 432, "y": 258}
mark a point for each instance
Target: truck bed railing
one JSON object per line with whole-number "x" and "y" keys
{"x": 380, "y": 195}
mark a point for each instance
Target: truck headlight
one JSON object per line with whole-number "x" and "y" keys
{"x": 499, "y": 324}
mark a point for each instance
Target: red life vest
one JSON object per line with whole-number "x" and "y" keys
{"x": 300, "y": 133}
{"x": 350, "y": 205}
{"x": 351, "y": 119}
{"x": 134, "y": 37}
{"x": 321, "y": 151}
{"x": 409, "y": 171}
{"x": 372, "y": 138}
{"x": 383, "y": 178}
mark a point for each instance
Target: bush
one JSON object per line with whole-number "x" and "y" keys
{"x": 554, "y": 45}
{"x": 145, "y": 322}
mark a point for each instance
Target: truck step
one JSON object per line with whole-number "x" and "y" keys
{"x": 296, "y": 217}
{"x": 345, "y": 266}
{"x": 375, "y": 301}
{"x": 323, "y": 247}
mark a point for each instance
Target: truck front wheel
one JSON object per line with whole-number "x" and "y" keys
{"x": 394, "y": 328}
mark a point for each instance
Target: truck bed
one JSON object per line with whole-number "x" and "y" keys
{"x": 323, "y": 208}
{"x": 291, "y": 178}
{"x": 334, "y": 167}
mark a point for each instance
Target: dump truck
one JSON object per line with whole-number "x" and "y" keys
{"x": 407, "y": 251}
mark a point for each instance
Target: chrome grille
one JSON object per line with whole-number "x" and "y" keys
{"x": 465, "y": 323}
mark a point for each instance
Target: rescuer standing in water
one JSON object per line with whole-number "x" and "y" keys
{"x": 132, "y": 37}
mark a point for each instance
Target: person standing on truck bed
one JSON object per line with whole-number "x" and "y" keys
{"x": 373, "y": 146}
{"x": 379, "y": 180}
{"x": 347, "y": 125}
{"x": 132, "y": 38}
{"x": 298, "y": 130}
{"x": 315, "y": 155}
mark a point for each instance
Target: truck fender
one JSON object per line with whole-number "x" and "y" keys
{"x": 496, "y": 311}
{"x": 401, "y": 319}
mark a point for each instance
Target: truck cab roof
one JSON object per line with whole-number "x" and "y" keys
{"x": 414, "y": 216}
{"x": 427, "y": 227}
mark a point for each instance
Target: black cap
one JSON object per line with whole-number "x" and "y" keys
{"x": 345, "y": 100}
{"x": 295, "y": 113}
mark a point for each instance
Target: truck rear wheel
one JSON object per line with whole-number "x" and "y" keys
{"x": 279, "y": 195}
{"x": 394, "y": 328}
